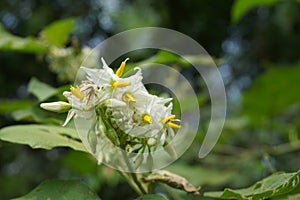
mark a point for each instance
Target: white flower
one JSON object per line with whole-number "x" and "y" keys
{"x": 131, "y": 108}
{"x": 106, "y": 77}
{"x": 146, "y": 115}
{"x": 83, "y": 99}
{"x": 136, "y": 86}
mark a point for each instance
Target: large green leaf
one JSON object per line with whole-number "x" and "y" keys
{"x": 272, "y": 93}
{"x": 241, "y": 7}
{"x": 42, "y": 136}
{"x": 41, "y": 90}
{"x": 57, "y": 33}
{"x": 60, "y": 190}
{"x": 274, "y": 185}
{"x": 151, "y": 197}
{"x": 9, "y": 42}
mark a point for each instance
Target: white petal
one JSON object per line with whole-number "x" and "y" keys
{"x": 71, "y": 113}
{"x": 103, "y": 62}
{"x": 108, "y": 69}
{"x": 115, "y": 103}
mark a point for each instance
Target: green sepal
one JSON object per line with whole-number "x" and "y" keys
{"x": 110, "y": 131}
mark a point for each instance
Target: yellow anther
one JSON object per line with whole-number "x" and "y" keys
{"x": 120, "y": 84}
{"x": 120, "y": 71}
{"x": 173, "y": 125}
{"x": 167, "y": 119}
{"x": 127, "y": 97}
{"x": 147, "y": 119}
{"x": 76, "y": 92}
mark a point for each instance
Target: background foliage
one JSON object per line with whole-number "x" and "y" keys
{"x": 255, "y": 45}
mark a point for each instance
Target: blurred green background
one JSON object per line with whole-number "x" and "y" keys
{"x": 256, "y": 47}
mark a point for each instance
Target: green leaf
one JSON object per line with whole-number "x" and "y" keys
{"x": 60, "y": 190}
{"x": 9, "y": 42}
{"x": 41, "y": 90}
{"x": 151, "y": 197}
{"x": 36, "y": 114}
{"x": 167, "y": 57}
{"x": 58, "y": 32}
{"x": 241, "y": 7}
{"x": 42, "y": 136}
{"x": 80, "y": 162}
{"x": 272, "y": 93}
{"x": 9, "y": 105}
{"x": 274, "y": 185}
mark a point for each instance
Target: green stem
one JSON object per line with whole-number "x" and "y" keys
{"x": 112, "y": 135}
{"x": 133, "y": 176}
{"x": 131, "y": 182}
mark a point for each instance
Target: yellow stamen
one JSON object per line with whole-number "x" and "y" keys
{"x": 127, "y": 97}
{"x": 147, "y": 118}
{"x": 76, "y": 92}
{"x": 172, "y": 125}
{"x": 120, "y": 71}
{"x": 120, "y": 84}
{"x": 167, "y": 119}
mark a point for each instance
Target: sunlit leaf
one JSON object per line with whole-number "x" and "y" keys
{"x": 272, "y": 92}
{"x": 42, "y": 136}
{"x": 60, "y": 190}
{"x": 241, "y": 7}
{"x": 168, "y": 57}
{"x": 9, "y": 42}
{"x": 58, "y": 32}
{"x": 274, "y": 185}
{"x": 41, "y": 90}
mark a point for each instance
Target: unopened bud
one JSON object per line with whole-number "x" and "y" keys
{"x": 151, "y": 142}
{"x": 58, "y": 106}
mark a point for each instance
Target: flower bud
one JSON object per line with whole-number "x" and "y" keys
{"x": 151, "y": 141}
{"x": 58, "y": 106}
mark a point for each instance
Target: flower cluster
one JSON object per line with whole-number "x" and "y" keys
{"x": 131, "y": 108}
